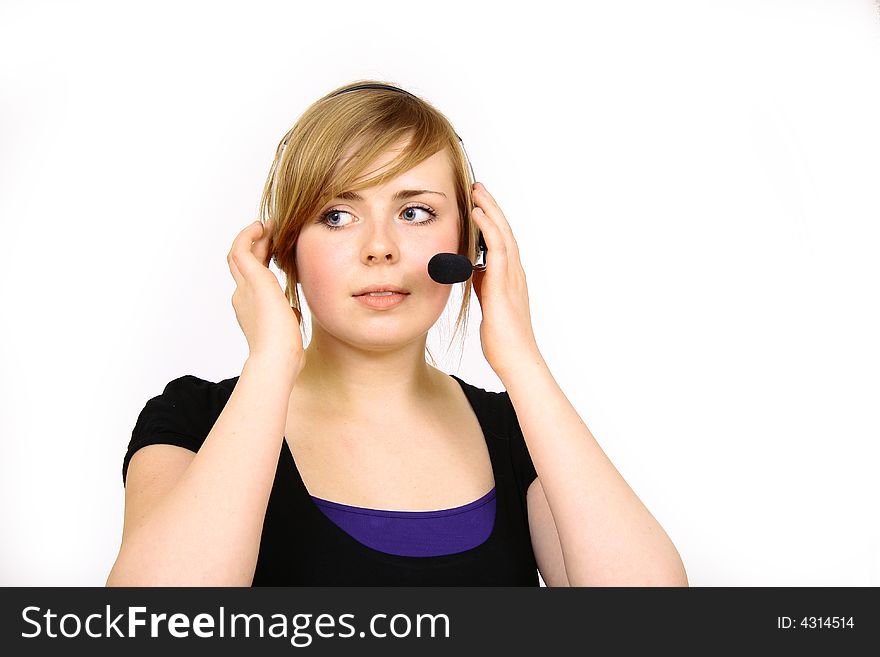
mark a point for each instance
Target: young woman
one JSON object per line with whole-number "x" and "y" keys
{"x": 353, "y": 461}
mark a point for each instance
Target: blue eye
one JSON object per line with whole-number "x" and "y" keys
{"x": 327, "y": 214}
{"x": 324, "y": 218}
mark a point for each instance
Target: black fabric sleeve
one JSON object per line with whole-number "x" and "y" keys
{"x": 523, "y": 467}
{"x": 182, "y": 415}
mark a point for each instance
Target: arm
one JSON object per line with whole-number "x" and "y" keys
{"x": 607, "y": 536}
{"x": 206, "y": 529}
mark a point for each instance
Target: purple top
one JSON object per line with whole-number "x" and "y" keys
{"x": 416, "y": 533}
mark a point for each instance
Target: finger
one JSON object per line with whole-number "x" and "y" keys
{"x": 485, "y": 200}
{"x": 233, "y": 269}
{"x": 246, "y": 238}
{"x": 242, "y": 253}
{"x": 262, "y": 248}
{"x": 495, "y": 240}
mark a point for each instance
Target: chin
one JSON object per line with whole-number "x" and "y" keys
{"x": 379, "y": 336}
{"x": 386, "y": 337}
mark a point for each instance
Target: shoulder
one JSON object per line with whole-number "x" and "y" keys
{"x": 494, "y": 408}
{"x": 189, "y": 386}
{"x": 183, "y": 414}
{"x": 189, "y": 399}
{"x": 498, "y": 416}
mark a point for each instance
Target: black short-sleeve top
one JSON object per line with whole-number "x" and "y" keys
{"x": 301, "y": 546}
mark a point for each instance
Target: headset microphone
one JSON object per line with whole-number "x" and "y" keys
{"x": 450, "y": 268}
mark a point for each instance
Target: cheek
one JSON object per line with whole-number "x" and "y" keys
{"x": 321, "y": 269}
{"x": 436, "y": 239}
{"x": 423, "y": 250}
{"x": 434, "y": 294}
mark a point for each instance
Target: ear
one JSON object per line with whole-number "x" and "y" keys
{"x": 477, "y": 278}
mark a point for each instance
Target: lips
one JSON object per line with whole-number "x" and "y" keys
{"x": 381, "y": 288}
{"x": 382, "y": 301}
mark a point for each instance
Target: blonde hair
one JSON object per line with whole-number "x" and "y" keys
{"x": 308, "y": 170}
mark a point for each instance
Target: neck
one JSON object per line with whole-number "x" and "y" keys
{"x": 365, "y": 381}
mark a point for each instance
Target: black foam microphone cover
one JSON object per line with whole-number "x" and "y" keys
{"x": 449, "y": 268}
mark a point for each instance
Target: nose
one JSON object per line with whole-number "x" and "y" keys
{"x": 381, "y": 244}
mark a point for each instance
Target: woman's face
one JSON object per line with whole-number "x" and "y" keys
{"x": 380, "y": 240}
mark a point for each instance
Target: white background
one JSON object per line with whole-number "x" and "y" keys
{"x": 693, "y": 186}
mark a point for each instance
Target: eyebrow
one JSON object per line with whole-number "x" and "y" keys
{"x": 403, "y": 194}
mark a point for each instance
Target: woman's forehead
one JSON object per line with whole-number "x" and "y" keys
{"x": 431, "y": 173}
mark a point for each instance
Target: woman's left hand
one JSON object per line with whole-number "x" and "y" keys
{"x": 506, "y": 334}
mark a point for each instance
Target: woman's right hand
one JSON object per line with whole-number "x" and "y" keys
{"x": 270, "y": 325}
